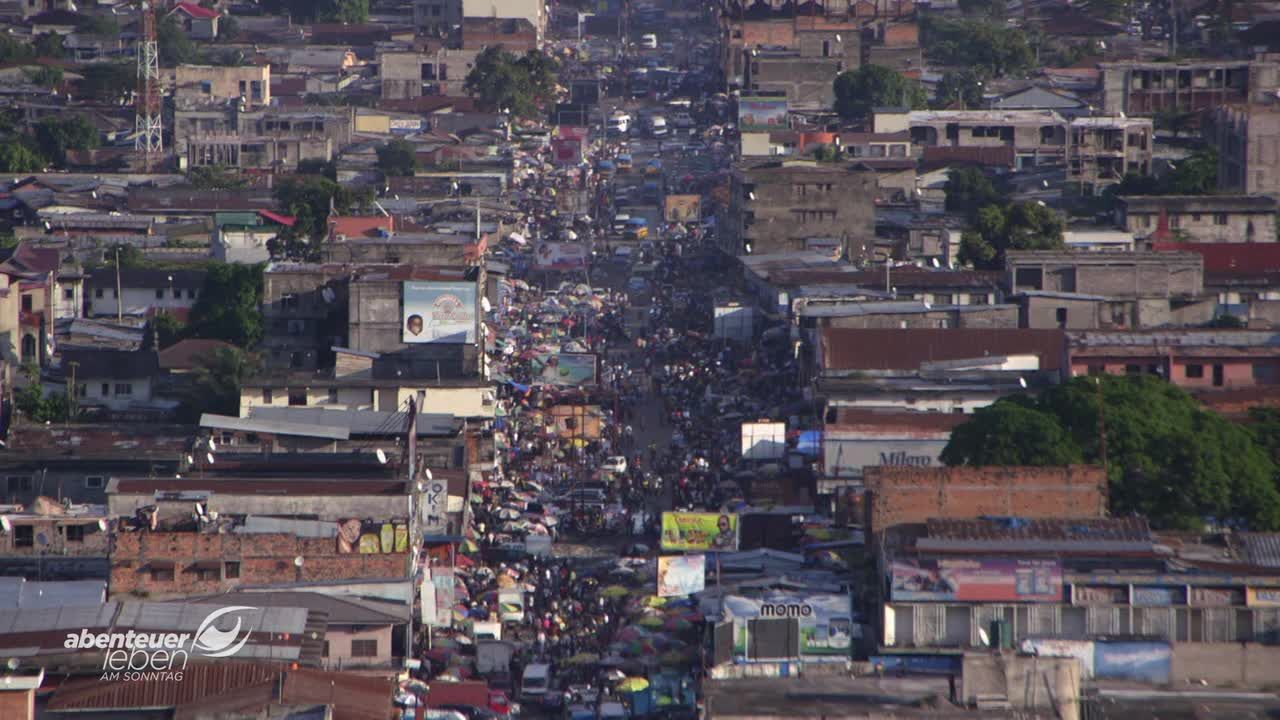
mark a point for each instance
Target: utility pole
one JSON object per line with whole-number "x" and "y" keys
{"x": 73, "y": 392}
{"x": 119, "y": 295}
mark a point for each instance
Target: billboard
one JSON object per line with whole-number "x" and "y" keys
{"x": 682, "y": 208}
{"x": 680, "y": 575}
{"x": 699, "y": 531}
{"x": 1150, "y": 662}
{"x": 825, "y": 620}
{"x": 764, "y": 440}
{"x": 845, "y": 455}
{"x": 567, "y": 369}
{"x": 761, "y": 114}
{"x": 977, "y": 580}
{"x": 560, "y": 256}
{"x": 734, "y": 321}
{"x": 438, "y": 312}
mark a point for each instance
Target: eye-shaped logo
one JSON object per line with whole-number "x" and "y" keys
{"x": 212, "y": 642}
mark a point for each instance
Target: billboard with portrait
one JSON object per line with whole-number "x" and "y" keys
{"x": 680, "y": 575}
{"x": 699, "y": 531}
{"x": 682, "y": 208}
{"x": 762, "y": 114}
{"x": 438, "y": 312}
{"x": 985, "y": 580}
{"x": 564, "y": 369}
{"x": 560, "y": 256}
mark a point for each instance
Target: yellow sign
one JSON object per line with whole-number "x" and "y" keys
{"x": 699, "y": 531}
{"x": 1262, "y": 597}
{"x": 682, "y": 208}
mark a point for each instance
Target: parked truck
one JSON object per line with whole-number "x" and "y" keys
{"x": 493, "y": 661}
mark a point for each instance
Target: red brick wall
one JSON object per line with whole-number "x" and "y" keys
{"x": 912, "y": 495}
{"x": 768, "y": 34}
{"x": 263, "y": 558}
{"x": 19, "y": 705}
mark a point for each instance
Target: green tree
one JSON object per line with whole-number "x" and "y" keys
{"x": 129, "y": 256}
{"x": 168, "y": 329}
{"x": 216, "y": 177}
{"x": 56, "y": 135}
{"x": 48, "y": 45}
{"x": 960, "y": 86}
{"x": 349, "y": 12}
{"x": 1195, "y": 175}
{"x": 1011, "y": 433}
{"x": 230, "y": 305}
{"x": 45, "y": 76}
{"x": 501, "y": 81}
{"x": 870, "y": 86}
{"x": 106, "y": 81}
{"x": 228, "y": 29}
{"x": 1019, "y": 226}
{"x": 988, "y": 8}
{"x": 1106, "y": 9}
{"x": 1168, "y": 458}
{"x": 174, "y": 45}
{"x": 969, "y": 190}
{"x": 218, "y": 380}
{"x": 985, "y": 46}
{"x": 308, "y": 198}
{"x": 13, "y": 50}
{"x": 315, "y": 166}
{"x": 827, "y": 153}
{"x": 37, "y": 405}
{"x": 100, "y": 25}
{"x": 16, "y": 157}
{"x": 397, "y": 158}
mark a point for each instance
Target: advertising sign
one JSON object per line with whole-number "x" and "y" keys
{"x": 764, "y": 440}
{"x": 439, "y": 312}
{"x": 699, "y": 531}
{"x": 847, "y": 454}
{"x": 1262, "y": 597}
{"x": 566, "y": 151}
{"x": 825, "y": 620}
{"x": 680, "y": 575}
{"x": 978, "y": 581}
{"x": 682, "y": 208}
{"x": 1081, "y": 650}
{"x": 435, "y": 505}
{"x": 567, "y": 369}
{"x": 1149, "y": 662}
{"x": 761, "y": 114}
{"x": 443, "y": 580}
{"x": 1157, "y": 596}
{"x": 560, "y": 256}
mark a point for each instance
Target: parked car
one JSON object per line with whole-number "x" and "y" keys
{"x": 614, "y": 464}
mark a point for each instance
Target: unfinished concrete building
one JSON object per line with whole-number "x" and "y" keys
{"x": 1149, "y": 88}
{"x": 1247, "y": 138}
{"x": 1101, "y": 151}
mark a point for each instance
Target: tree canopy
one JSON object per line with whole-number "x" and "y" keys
{"x": 54, "y": 136}
{"x": 960, "y": 86}
{"x": 520, "y": 85}
{"x": 229, "y": 305}
{"x": 309, "y": 199}
{"x": 398, "y": 158}
{"x": 1168, "y": 458}
{"x": 332, "y": 11}
{"x": 859, "y": 91}
{"x": 978, "y": 44}
{"x": 1017, "y": 226}
{"x": 969, "y": 190}
{"x": 173, "y": 44}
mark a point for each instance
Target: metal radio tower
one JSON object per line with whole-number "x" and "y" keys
{"x": 147, "y": 125}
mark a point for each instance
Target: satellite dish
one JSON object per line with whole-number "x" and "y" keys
{"x": 982, "y": 635}
{"x": 327, "y": 294}
{"x": 209, "y": 457}
{"x": 484, "y": 303}
{"x": 212, "y": 446}
{"x": 5, "y": 524}
{"x": 1023, "y": 382}
{"x": 297, "y": 561}
{"x": 199, "y": 509}
{"x": 382, "y": 457}
{"x": 102, "y": 524}
{"x": 428, "y": 471}
{"x": 191, "y": 460}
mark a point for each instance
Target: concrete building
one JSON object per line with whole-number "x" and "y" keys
{"x": 404, "y": 75}
{"x": 1191, "y": 359}
{"x": 1247, "y": 138}
{"x": 48, "y": 529}
{"x": 1200, "y": 218}
{"x": 1037, "y": 137}
{"x": 250, "y": 83}
{"x": 1148, "y": 88}
{"x": 436, "y": 17}
{"x": 142, "y": 291}
{"x": 534, "y": 11}
{"x": 1101, "y": 151}
{"x": 799, "y": 205}
{"x": 117, "y": 380}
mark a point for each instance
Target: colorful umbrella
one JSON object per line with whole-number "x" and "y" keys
{"x": 633, "y": 684}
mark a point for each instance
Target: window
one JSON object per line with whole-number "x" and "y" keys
{"x": 106, "y": 389}
{"x": 1219, "y": 218}
{"x": 1218, "y": 376}
{"x": 177, "y": 293}
{"x": 20, "y": 483}
{"x": 159, "y": 293}
{"x": 364, "y": 648}
{"x": 977, "y": 298}
{"x": 97, "y": 292}
{"x": 27, "y": 303}
{"x": 325, "y": 651}
{"x": 206, "y": 572}
{"x": 1195, "y": 371}
{"x": 1097, "y": 369}
{"x": 1132, "y": 369}
{"x": 68, "y": 294}
{"x": 124, "y": 388}
{"x": 206, "y": 87}
{"x": 1061, "y": 316}
{"x": 297, "y": 396}
{"x": 244, "y": 87}
{"x": 75, "y": 533}
{"x": 24, "y": 536}
{"x": 1175, "y": 221}
{"x": 162, "y": 573}
{"x": 94, "y": 482}
{"x": 1195, "y": 217}
{"x": 333, "y": 395}
{"x": 231, "y": 570}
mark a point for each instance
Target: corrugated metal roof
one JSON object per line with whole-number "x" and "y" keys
{"x": 1126, "y": 529}
{"x": 358, "y": 422}
{"x": 20, "y": 593}
{"x": 273, "y": 427}
{"x": 1262, "y": 549}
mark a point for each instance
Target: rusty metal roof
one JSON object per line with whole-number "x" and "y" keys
{"x": 1127, "y": 529}
{"x": 897, "y": 349}
{"x": 1262, "y": 549}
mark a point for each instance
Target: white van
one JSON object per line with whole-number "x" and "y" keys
{"x": 535, "y": 683}
{"x": 619, "y": 124}
{"x": 658, "y": 126}
{"x": 649, "y": 41}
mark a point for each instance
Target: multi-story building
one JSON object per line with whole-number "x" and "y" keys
{"x": 1200, "y": 218}
{"x": 1037, "y": 137}
{"x": 1192, "y": 359}
{"x": 799, "y": 205}
{"x": 1101, "y": 151}
{"x": 1247, "y": 138}
{"x": 1150, "y": 88}
{"x": 249, "y": 84}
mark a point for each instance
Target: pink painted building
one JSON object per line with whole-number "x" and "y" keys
{"x": 1198, "y": 359}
